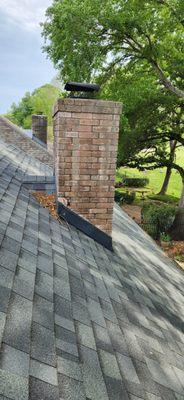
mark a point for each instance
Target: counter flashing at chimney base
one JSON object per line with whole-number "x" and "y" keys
{"x": 84, "y": 226}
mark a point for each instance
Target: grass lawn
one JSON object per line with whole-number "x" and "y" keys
{"x": 50, "y": 133}
{"x": 156, "y": 177}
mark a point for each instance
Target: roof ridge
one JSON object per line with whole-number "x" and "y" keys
{"x": 24, "y": 142}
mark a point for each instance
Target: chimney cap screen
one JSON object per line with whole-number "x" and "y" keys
{"x": 81, "y": 87}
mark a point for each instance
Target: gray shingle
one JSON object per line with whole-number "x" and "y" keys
{"x": 109, "y": 365}
{"x": 146, "y": 378}
{"x": 69, "y": 368}
{"x": 41, "y": 390}
{"x": 92, "y": 374}
{"x": 70, "y": 389}
{"x": 43, "y": 312}
{"x": 180, "y": 375}
{"x": 43, "y": 372}
{"x": 116, "y": 389}
{"x": 80, "y": 312}
{"x": 18, "y": 323}
{"x": 8, "y": 259}
{"x": 27, "y": 261}
{"x": 117, "y": 339}
{"x": 4, "y": 298}
{"x": 45, "y": 264}
{"x": 133, "y": 312}
{"x": 127, "y": 368}
{"x": 64, "y": 323}
{"x": 23, "y": 288}
{"x": 44, "y": 285}
{"x": 163, "y": 374}
{"x": 62, "y": 307}
{"x": 2, "y": 324}
{"x": 77, "y": 286}
{"x": 42, "y": 345}
{"x": 108, "y": 311}
{"x": 86, "y": 336}
{"x": 13, "y": 232}
{"x": 132, "y": 344}
{"x": 67, "y": 347}
{"x": 13, "y": 386}
{"x": 96, "y": 312}
{"x": 14, "y": 361}
{"x": 62, "y": 287}
{"x": 12, "y": 244}
{"x": 102, "y": 338}
{"x": 29, "y": 246}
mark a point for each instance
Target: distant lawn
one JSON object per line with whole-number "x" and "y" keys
{"x": 156, "y": 177}
{"x": 50, "y": 133}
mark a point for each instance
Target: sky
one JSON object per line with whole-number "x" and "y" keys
{"x": 23, "y": 66}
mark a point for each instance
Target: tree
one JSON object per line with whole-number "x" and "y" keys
{"x": 85, "y": 38}
{"x": 41, "y": 100}
{"x": 152, "y": 125}
{"x": 152, "y": 119}
{"x": 19, "y": 113}
{"x": 164, "y": 187}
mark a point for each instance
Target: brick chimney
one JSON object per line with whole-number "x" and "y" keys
{"x": 39, "y": 127}
{"x": 85, "y": 145}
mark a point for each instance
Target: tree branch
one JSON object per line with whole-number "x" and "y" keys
{"x": 165, "y": 81}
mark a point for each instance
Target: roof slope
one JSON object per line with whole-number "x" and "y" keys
{"x": 78, "y": 322}
{"x": 15, "y": 135}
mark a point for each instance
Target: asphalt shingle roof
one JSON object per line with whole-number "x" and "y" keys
{"x": 78, "y": 322}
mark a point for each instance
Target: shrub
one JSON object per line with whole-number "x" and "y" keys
{"x": 124, "y": 197}
{"x": 135, "y": 182}
{"x": 165, "y": 198}
{"x": 165, "y": 237}
{"x": 157, "y": 218}
{"x": 117, "y": 196}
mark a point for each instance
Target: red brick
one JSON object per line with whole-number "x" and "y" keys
{"x": 85, "y": 152}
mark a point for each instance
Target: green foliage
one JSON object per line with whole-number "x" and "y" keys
{"x": 117, "y": 196}
{"x": 151, "y": 119}
{"x": 133, "y": 49}
{"x": 179, "y": 257}
{"x": 157, "y": 218}
{"x": 135, "y": 182}
{"x": 41, "y": 100}
{"x": 156, "y": 177}
{"x": 124, "y": 197}
{"x": 165, "y": 198}
{"x": 20, "y": 114}
{"x": 85, "y": 38}
{"x": 164, "y": 237}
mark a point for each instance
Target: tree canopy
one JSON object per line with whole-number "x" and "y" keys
{"x": 86, "y": 38}
{"x": 41, "y": 100}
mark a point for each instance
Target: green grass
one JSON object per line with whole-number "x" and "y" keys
{"x": 156, "y": 178}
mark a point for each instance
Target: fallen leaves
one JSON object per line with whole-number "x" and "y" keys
{"x": 47, "y": 201}
{"x": 175, "y": 249}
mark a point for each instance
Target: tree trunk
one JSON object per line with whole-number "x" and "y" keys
{"x": 181, "y": 203}
{"x": 164, "y": 187}
{"x": 177, "y": 229}
{"x": 169, "y": 169}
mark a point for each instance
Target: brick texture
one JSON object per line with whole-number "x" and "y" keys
{"x": 85, "y": 148}
{"x": 39, "y": 127}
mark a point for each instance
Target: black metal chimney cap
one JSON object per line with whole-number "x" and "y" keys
{"x": 81, "y": 87}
